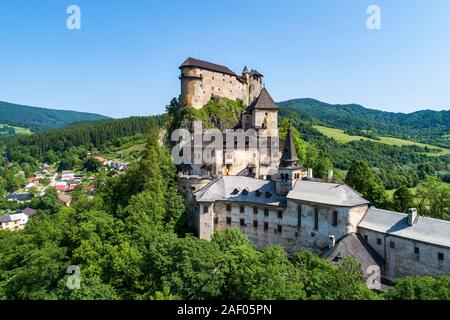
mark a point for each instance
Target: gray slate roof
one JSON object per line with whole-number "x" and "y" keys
{"x": 334, "y": 194}
{"x": 426, "y": 229}
{"x": 4, "y": 219}
{"x": 191, "y": 62}
{"x": 264, "y": 101}
{"x": 289, "y": 158}
{"x": 352, "y": 245}
{"x": 223, "y": 188}
{"x": 255, "y": 73}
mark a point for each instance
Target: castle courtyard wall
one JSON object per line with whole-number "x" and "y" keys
{"x": 402, "y": 261}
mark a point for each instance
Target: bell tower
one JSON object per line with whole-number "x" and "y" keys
{"x": 289, "y": 170}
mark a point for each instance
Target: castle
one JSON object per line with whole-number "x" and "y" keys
{"x": 201, "y": 80}
{"x": 275, "y": 201}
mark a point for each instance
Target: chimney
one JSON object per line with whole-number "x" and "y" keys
{"x": 330, "y": 175}
{"x": 310, "y": 174}
{"x": 412, "y": 216}
{"x": 332, "y": 241}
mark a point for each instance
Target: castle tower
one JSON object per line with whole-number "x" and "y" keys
{"x": 289, "y": 169}
{"x": 255, "y": 85}
{"x": 264, "y": 114}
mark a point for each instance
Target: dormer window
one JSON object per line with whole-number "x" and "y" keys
{"x": 245, "y": 192}
{"x": 258, "y": 193}
{"x": 235, "y": 191}
{"x": 268, "y": 194}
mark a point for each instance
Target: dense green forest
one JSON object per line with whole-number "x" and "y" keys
{"x": 41, "y": 119}
{"x": 394, "y": 165}
{"x": 54, "y": 145}
{"x": 425, "y": 126}
{"x": 130, "y": 242}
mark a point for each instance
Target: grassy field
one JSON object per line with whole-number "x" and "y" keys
{"x": 19, "y": 130}
{"x": 342, "y": 137}
{"x": 390, "y": 193}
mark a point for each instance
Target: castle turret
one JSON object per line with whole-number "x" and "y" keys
{"x": 264, "y": 114}
{"x": 255, "y": 85}
{"x": 289, "y": 169}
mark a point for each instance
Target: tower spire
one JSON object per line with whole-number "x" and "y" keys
{"x": 289, "y": 158}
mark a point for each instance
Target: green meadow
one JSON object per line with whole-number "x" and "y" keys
{"x": 342, "y": 137}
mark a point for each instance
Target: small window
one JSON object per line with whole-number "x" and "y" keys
{"x": 216, "y": 220}
{"x": 416, "y": 250}
{"x": 228, "y": 207}
{"x": 440, "y": 256}
{"x": 235, "y": 191}
{"x": 228, "y": 220}
{"x": 193, "y": 188}
{"x": 255, "y": 223}
{"x": 299, "y": 217}
{"x": 266, "y": 226}
{"x": 334, "y": 218}
{"x": 255, "y": 210}
{"x": 241, "y": 209}
{"x": 378, "y": 241}
{"x": 280, "y": 214}
{"x": 266, "y": 212}
{"x": 366, "y": 238}
{"x": 279, "y": 228}
{"x": 296, "y": 234}
{"x": 392, "y": 245}
{"x": 268, "y": 194}
{"x": 205, "y": 209}
{"x": 316, "y": 219}
{"x": 242, "y": 222}
{"x": 245, "y": 192}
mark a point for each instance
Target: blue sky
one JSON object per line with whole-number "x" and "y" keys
{"x": 124, "y": 61}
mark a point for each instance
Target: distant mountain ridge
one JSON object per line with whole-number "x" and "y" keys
{"x": 424, "y": 126}
{"x": 39, "y": 119}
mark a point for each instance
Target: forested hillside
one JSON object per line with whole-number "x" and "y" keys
{"x": 50, "y": 146}
{"x": 41, "y": 119}
{"x": 426, "y": 126}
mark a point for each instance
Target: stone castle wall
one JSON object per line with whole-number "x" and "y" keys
{"x": 269, "y": 225}
{"x": 401, "y": 259}
{"x": 198, "y": 86}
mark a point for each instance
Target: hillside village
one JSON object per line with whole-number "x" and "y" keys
{"x": 64, "y": 182}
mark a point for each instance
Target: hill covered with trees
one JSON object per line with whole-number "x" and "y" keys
{"x": 53, "y": 145}
{"x": 426, "y": 126}
{"x": 41, "y": 119}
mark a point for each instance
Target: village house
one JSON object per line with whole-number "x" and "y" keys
{"x": 13, "y": 222}
{"x": 65, "y": 199}
{"x": 19, "y": 197}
